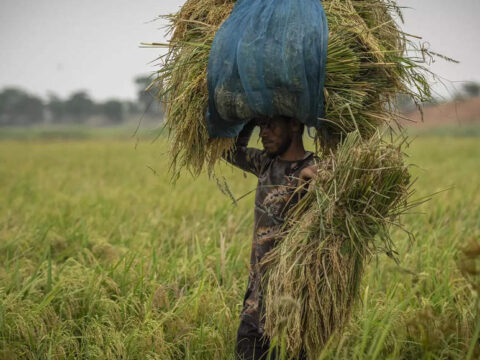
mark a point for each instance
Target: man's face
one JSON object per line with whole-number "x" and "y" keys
{"x": 276, "y": 135}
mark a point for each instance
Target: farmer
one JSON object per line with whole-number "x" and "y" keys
{"x": 279, "y": 168}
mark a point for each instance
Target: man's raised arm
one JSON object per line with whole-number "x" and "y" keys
{"x": 247, "y": 159}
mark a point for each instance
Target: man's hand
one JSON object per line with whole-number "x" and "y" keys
{"x": 308, "y": 173}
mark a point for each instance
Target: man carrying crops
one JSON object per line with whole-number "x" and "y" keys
{"x": 279, "y": 168}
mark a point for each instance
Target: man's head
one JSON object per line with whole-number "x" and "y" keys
{"x": 278, "y": 133}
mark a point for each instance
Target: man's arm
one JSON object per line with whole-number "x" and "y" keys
{"x": 247, "y": 159}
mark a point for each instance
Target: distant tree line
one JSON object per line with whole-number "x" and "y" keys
{"x": 19, "y": 108}
{"x": 468, "y": 90}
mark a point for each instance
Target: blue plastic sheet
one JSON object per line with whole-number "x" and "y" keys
{"x": 267, "y": 59}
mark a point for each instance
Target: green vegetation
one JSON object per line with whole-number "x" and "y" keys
{"x": 101, "y": 258}
{"x": 72, "y": 132}
{"x": 464, "y": 130}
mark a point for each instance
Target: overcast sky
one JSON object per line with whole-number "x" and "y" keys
{"x": 61, "y": 46}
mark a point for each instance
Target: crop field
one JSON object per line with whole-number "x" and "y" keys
{"x": 101, "y": 257}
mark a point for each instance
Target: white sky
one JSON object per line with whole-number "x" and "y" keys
{"x": 62, "y": 46}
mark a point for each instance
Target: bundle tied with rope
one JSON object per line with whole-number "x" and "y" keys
{"x": 363, "y": 186}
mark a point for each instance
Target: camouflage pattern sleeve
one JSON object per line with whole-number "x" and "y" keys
{"x": 243, "y": 157}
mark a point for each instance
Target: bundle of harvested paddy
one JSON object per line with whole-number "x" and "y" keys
{"x": 367, "y": 67}
{"x": 312, "y": 277}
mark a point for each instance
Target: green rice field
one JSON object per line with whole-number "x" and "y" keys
{"x": 101, "y": 257}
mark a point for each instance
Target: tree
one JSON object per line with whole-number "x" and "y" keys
{"x": 20, "y": 108}
{"x": 57, "y": 109}
{"x": 132, "y": 107}
{"x": 113, "y": 110}
{"x": 472, "y": 89}
{"x": 79, "y": 107}
{"x": 405, "y": 103}
{"x": 147, "y": 98}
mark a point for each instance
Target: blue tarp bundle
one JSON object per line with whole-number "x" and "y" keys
{"x": 267, "y": 59}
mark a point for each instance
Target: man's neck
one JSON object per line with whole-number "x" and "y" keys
{"x": 295, "y": 151}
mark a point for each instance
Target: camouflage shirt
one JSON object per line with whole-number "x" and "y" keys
{"x": 277, "y": 180}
